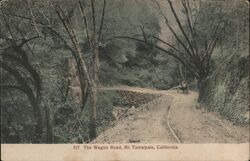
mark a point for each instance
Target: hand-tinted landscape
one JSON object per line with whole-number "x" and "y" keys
{"x": 124, "y": 71}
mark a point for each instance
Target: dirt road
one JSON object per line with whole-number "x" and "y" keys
{"x": 172, "y": 118}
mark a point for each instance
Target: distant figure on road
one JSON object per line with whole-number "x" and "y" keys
{"x": 184, "y": 87}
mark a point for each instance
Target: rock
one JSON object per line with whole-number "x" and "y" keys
{"x": 134, "y": 140}
{"x": 132, "y": 110}
{"x": 246, "y": 116}
{"x": 119, "y": 112}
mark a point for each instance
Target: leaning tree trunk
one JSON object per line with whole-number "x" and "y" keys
{"x": 83, "y": 83}
{"x": 24, "y": 87}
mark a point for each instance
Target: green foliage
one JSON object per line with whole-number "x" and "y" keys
{"x": 122, "y": 61}
{"x": 233, "y": 16}
{"x": 226, "y": 90}
{"x": 16, "y": 118}
{"x": 72, "y": 127}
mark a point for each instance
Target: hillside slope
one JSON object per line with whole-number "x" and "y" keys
{"x": 226, "y": 91}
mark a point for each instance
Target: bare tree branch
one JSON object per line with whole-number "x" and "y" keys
{"x": 27, "y": 66}
{"x": 188, "y": 14}
{"x": 175, "y": 49}
{"x": 180, "y": 26}
{"x": 32, "y": 17}
{"x": 173, "y": 32}
{"x": 102, "y": 20}
{"x": 78, "y": 55}
{"x": 188, "y": 66}
{"x": 9, "y": 29}
{"x": 3, "y": 87}
{"x": 83, "y": 14}
{"x": 93, "y": 17}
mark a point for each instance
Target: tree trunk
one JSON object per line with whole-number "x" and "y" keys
{"x": 200, "y": 87}
{"x": 83, "y": 83}
{"x": 94, "y": 92}
{"x": 182, "y": 77}
{"x": 49, "y": 137}
{"x": 38, "y": 117}
{"x": 92, "y": 125}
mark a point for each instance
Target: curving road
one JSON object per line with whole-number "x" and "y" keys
{"x": 172, "y": 118}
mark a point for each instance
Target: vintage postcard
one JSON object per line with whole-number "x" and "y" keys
{"x": 139, "y": 80}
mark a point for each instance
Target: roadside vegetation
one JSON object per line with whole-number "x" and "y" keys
{"x": 56, "y": 55}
